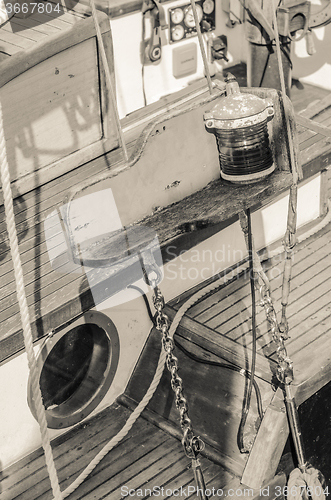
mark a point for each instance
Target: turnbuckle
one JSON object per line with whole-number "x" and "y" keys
{"x": 199, "y": 480}
{"x": 285, "y": 365}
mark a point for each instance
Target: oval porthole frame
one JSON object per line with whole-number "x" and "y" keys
{"x": 59, "y": 417}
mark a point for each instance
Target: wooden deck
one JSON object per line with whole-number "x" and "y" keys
{"x": 217, "y": 330}
{"x": 147, "y": 458}
{"x": 228, "y": 310}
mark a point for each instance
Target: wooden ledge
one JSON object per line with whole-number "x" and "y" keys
{"x": 174, "y": 173}
{"x": 217, "y": 202}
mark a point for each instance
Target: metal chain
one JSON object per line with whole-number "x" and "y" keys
{"x": 152, "y": 275}
{"x": 192, "y": 444}
{"x": 280, "y": 331}
{"x": 285, "y": 365}
{"x": 279, "y": 335}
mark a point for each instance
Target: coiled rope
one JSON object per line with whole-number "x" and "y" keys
{"x": 305, "y": 485}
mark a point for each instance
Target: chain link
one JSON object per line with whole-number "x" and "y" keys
{"x": 285, "y": 365}
{"x": 279, "y": 332}
{"x": 192, "y": 444}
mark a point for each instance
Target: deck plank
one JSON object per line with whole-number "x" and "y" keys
{"x": 307, "y": 287}
{"x": 148, "y": 457}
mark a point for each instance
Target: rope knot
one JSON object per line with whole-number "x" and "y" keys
{"x": 307, "y": 484}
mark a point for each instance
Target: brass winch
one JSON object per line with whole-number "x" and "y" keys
{"x": 240, "y": 124}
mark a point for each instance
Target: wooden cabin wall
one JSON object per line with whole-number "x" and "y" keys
{"x": 56, "y": 106}
{"x": 52, "y": 110}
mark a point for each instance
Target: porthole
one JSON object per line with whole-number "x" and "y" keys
{"x": 76, "y": 367}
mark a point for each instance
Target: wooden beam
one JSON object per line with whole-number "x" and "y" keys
{"x": 311, "y": 125}
{"x": 268, "y": 445}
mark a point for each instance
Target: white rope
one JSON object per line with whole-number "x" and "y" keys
{"x": 305, "y": 485}
{"x": 124, "y": 431}
{"x": 24, "y": 312}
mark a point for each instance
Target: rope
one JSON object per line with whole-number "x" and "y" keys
{"x": 124, "y": 431}
{"x": 202, "y": 49}
{"x": 24, "y": 312}
{"x": 294, "y": 166}
{"x": 245, "y": 218}
{"x": 305, "y": 485}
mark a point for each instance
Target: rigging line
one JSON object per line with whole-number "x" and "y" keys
{"x": 264, "y": 69}
{"x": 228, "y": 366}
{"x": 202, "y": 49}
{"x": 247, "y": 401}
{"x": 24, "y": 312}
{"x": 144, "y": 296}
{"x": 294, "y": 166}
{"x": 109, "y": 80}
{"x": 143, "y": 53}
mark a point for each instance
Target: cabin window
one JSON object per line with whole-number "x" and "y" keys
{"x": 76, "y": 368}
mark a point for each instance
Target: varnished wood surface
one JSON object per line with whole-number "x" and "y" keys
{"x": 148, "y": 457}
{"x": 68, "y": 115}
{"x": 214, "y": 393}
{"x": 19, "y": 35}
{"x": 143, "y": 458}
{"x": 228, "y": 313}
